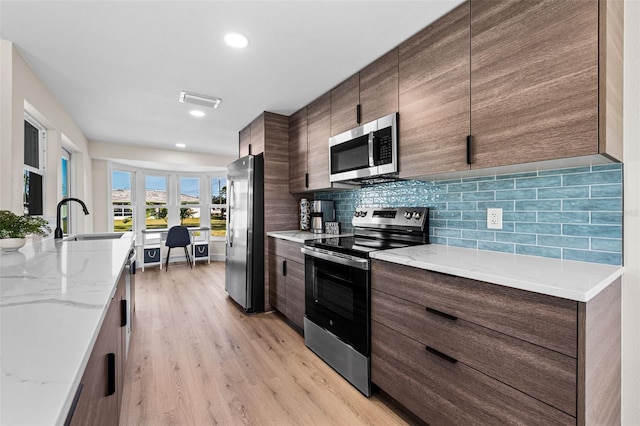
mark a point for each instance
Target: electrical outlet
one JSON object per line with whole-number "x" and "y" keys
{"x": 494, "y": 218}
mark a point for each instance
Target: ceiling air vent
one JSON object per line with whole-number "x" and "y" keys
{"x": 192, "y": 98}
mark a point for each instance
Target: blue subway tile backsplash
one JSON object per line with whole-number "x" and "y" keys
{"x": 573, "y": 214}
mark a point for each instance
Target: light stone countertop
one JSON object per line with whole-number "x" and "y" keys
{"x": 579, "y": 281}
{"x": 302, "y": 236}
{"x": 53, "y": 299}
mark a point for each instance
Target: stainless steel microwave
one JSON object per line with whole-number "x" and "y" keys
{"x": 365, "y": 152}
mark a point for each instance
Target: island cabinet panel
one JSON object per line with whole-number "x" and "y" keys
{"x": 318, "y": 133}
{"x": 534, "y": 80}
{"x": 287, "y": 279}
{"x": 245, "y": 141}
{"x": 103, "y": 378}
{"x": 379, "y": 87}
{"x": 298, "y": 150}
{"x": 541, "y": 373}
{"x": 543, "y": 320}
{"x": 434, "y": 97}
{"x": 345, "y": 98}
{"x": 445, "y": 392}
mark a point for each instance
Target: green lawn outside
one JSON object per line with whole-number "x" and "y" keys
{"x": 218, "y": 225}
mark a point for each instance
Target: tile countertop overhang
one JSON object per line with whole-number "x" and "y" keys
{"x": 53, "y": 299}
{"x": 302, "y": 236}
{"x": 579, "y": 281}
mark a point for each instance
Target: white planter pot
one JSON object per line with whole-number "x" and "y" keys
{"x": 11, "y": 244}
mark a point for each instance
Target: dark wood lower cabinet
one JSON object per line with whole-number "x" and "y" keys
{"x": 286, "y": 279}
{"x": 103, "y": 379}
{"x": 449, "y": 349}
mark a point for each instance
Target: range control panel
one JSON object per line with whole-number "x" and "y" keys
{"x": 391, "y": 217}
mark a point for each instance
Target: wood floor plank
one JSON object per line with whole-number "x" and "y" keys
{"x": 196, "y": 359}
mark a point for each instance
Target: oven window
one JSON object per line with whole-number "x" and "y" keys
{"x": 350, "y": 155}
{"x": 334, "y": 293}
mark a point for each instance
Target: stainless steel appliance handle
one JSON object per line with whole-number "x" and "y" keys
{"x": 371, "y": 139}
{"x": 353, "y": 262}
{"x": 230, "y": 215}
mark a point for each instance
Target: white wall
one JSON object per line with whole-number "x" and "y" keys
{"x": 631, "y": 280}
{"x": 21, "y": 90}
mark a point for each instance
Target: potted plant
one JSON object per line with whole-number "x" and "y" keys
{"x": 14, "y": 229}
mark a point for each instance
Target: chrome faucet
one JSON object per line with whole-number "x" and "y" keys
{"x": 57, "y": 234}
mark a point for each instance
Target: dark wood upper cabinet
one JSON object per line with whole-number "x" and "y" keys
{"x": 298, "y": 151}
{"x": 535, "y": 80}
{"x": 258, "y": 135}
{"x": 318, "y": 133}
{"x": 345, "y": 98}
{"x": 245, "y": 141}
{"x": 379, "y": 87}
{"x": 434, "y": 97}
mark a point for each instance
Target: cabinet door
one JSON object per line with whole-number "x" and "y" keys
{"x": 534, "y": 80}
{"x": 277, "y": 281}
{"x": 245, "y": 141}
{"x": 295, "y": 293}
{"x": 318, "y": 133}
{"x": 298, "y": 151}
{"x": 98, "y": 402}
{"x": 257, "y": 135}
{"x": 344, "y": 102}
{"x": 434, "y": 97}
{"x": 379, "y": 87}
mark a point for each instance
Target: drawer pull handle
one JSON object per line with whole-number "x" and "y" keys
{"x": 442, "y": 314}
{"x": 441, "y": 355}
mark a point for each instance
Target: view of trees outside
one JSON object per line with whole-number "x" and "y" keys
{"x": 156, "y": 202}
{"x": 121, "y": 201}
{"x": 218, "y": 207}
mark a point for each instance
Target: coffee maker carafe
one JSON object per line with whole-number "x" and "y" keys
{"x": 321, "y": 211}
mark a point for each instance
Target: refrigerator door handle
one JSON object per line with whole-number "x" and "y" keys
{"x": 231, "y": 207}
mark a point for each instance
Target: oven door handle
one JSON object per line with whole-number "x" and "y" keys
{"x": 355, "y": 263}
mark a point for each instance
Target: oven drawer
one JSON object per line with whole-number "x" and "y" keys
{"x": 547, "y": 321}
{"x": 288, "y": 249}
{"x": 443, "y": 392}
{"x": 544, "y": 374}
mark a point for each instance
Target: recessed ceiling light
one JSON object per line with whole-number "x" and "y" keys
{"x": 181, "y": 145}
{"x": 236, "y": 40}
{"x": 197, "y": 113}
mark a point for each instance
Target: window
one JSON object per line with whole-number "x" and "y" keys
{"x": 65, "y": 192}
{"x": 155, "y": 188}
{"x": 218, "y": 207}
{"x": 122, "y": 200}
{"x": 189, "y": 192}
{"x": 34, "y": 160}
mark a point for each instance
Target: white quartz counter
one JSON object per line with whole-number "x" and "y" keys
{"x": 53, "y": 299}
{"x": 301, "y": 236}
{"x": 579, "y": 281}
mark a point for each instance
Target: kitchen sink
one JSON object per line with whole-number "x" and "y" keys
{"x": 103, "y": 236}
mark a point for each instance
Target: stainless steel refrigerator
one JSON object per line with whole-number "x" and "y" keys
{"x": 244, "y": 272}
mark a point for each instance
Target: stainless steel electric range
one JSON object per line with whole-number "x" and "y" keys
{"x": 337, "y": 323}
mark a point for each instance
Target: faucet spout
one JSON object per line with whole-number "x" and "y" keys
{"x": 58, "y": 232}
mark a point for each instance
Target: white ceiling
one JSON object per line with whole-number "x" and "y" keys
{"x": 117, "y": 67}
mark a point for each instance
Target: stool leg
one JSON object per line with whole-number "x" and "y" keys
{"x": 166, "y": 264}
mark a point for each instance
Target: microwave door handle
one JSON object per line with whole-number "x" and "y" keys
{"x": 371, "y": 139}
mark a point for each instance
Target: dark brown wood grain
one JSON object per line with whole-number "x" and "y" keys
{"x": 298, "y": 151}
{"x": 288, "y": 249}
{"x": 258, "y": 135}
{"x": 541, "y": 373}
{"x": 434, "y": 97}
{"x": 379, "y": 87}
{"x": 543, "y": 320}
{"x": 245, "y": 140}
{"x": 599, "y": 358}
{"x": 534, "y": 80}
{"x": 444, "y": 393}
{"x": 318, "y": 133}
{"x": 344, "y": 99}
{"x": 295, "y": 292}
{"x": 277, "y": 282}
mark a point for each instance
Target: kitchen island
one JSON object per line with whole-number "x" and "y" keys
{"x": 54, "y": 296}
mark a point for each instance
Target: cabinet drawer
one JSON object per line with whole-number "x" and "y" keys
{"x": 449, "y": 393}
{"x": 544, "y": 374}
{"x": 288, "y": 249}
{"x": 547, "y": 321}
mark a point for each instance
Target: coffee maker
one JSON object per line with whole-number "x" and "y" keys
{"x": 321, "y": 211}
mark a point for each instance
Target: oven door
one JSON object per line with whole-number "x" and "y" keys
{"x": 337, "y": 298}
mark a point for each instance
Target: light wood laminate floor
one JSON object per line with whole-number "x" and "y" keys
{"x": 196, "y": 359}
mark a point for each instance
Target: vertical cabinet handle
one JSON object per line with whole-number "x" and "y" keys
{"x": 358, "y": 113}
{"x": 284, "y": 268}
{"x": 441, "y": 355}
{"x": 249, "y": 149}
{"x": 306, "y": 180}
{"x": 111, "y": 374}
{"x": 469, "y": 142}
{"x": 123, "y": 312}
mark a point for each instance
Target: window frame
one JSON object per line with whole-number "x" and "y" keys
{"x": 212, "y": 205}
{"x": 168, "y": 197}
{"x": 42, "y": 158}
{"x": 132, "y": 197}
{"x": 66, "y": 212}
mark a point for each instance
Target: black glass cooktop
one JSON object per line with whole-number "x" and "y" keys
{"x": 359, "y": 246}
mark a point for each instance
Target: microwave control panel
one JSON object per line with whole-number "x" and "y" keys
{"x": 382, "y": 147}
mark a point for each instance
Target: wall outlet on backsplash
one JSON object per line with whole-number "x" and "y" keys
{"x": 494, "y": 218}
